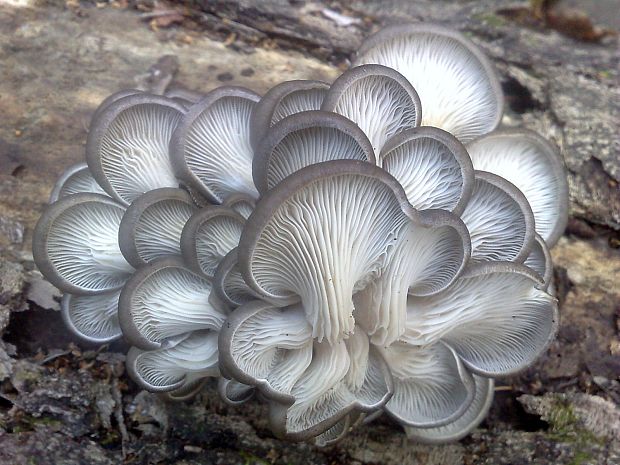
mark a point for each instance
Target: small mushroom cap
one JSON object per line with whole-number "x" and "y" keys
{"x": 539, "y": 260}
{"x": 75, "y": 244}
{"x": 169, "y": 368}
{"x": 431, "y": 385}
{"x": 211, "y": 149}
{"x": 458, "y": 86}
{"x": 127, "y": 145}
{"x": 433, "y": 167}
{"x": 77, "y": 178}
{"x": 496, "y": 317}
{"x": 233, "y": 392}
{"x": 208, "y": 236}
{"x": 376, "y": 98}
{"x": 305, "y": 139}
{"x": 152, "y": 225}
{"x": 464, "y": 424}
{"x": 499, "y": 219}
{"x": 188, "y": 390}
{"x": 163, "y": 301}
{"x": 93, "y": 318}
{"x": 243, "y": 204}
{"x": 536, "y": 167}
{"x": 228, "y": 283}
{"x": 282, "y": 100}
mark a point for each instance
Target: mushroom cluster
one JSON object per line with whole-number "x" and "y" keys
{"x": 374, "y": 245}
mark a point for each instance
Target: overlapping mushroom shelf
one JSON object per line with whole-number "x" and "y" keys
{"x": 374, "y": 245}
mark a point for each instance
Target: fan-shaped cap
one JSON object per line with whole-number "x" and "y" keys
{"x": 110, "y": 99}
{"x": 312, "y": 386}
{"x": 233, "y": 392}
{"x": 495, "y": 316}
{"x": 169, "y": 368}
{"x": 127, "y": 145}
{"x": 228, "y": 283}
{"x": 208, "y": 236}
{"x": 152, "y": 225}
{"x": 431, "y": 385}
{"x": 427, "y": 256}
{"x": 304, "y": 139}
{"x": 540, "y": 261}
{"x": 432, "y": 166}
{"x": 75, "y": 179}
{"x": 376, "y": 98}
{"x": 320, "y": 236}
{"x": 536, "y": 167}
{"x": 188, "y": 390}
{"x": 458, "y": 86}
{"x": 243, "y": 204}
{"x": 210, "y": 148}
{"x": 464, "y": 424}
{"x": 499, "y": 219}
{"x": 165, "y": 300}
{"x": 93, "y": 318}
{"x": 183, "y": 95}
{"x": 282, "y": 100}
{"x": 75, "y": 244}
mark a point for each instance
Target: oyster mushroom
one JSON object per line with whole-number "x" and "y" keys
{"x": 127, "y": 145}
{"x": 282, "y": 100}
{"x": 93, "y": 318}
{"x": 533, "y": 165}
{"x": 75, "y": 179}
{"x": 177, "y": 366}
{"x": 152, "y": 225}
{"x": 75, "y": 244}
{"x": 305, "y": 139}
{"x": 376, "y": 98}
{"x": 163, "y": 301}
{"x": 458, "y": 86}
{"x": 210, "y": 148}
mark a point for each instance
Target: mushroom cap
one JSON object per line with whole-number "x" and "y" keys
{"x": 127, "y": 145}
{"x": 170, "y": 368}
{"x": 465, "y": 423}
{"x": 536, "y": 167}
{"x": 243, "y": 204}
{"x": 282, "y": 100}
{"x": 228, "y": 284}
{"x": 378, "y": 99}
{"x": 210, "y": 148}
{"x": 77, "y": 178}
{"x": 290, "y": 250}
{"x": 152, "y": 225}
{"x": 93, "y": 318}
{"x": 539, "y": 260}
{"x": 496, "y": 317}
{"x": 310, "y": 386}
{"x": 431, "y": 385}
{"x": 305, "y": 139}
{"x": 75, "y": 244}
{"x": 208, "y": 236}
{"x": 433, "y": 167}
{"x": 164, "y": 301}
{"x": 458, "y": 86}
{"x": 499, "y": 219}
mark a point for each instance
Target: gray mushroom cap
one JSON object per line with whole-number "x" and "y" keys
{"x": 210, "y": 148}
{"x": 458, "y": 86}
{"x": 75, "y": 244}
{"x": 75, "y": 179}
{"x": 282, "y": 100}
{"x": 304, "y": 139}
{"x": 152, "y": 225}
{"x": 376, "y": 98}
{"x": 127, "y": 145}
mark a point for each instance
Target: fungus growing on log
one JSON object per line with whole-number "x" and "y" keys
{"x": 374, "y": 245}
